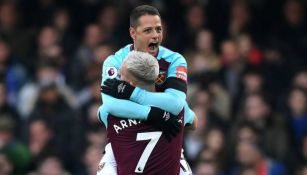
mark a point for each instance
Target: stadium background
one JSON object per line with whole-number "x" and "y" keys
{"x": 247, "y": 82}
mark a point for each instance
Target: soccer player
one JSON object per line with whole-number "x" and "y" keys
{"x": 138, "y": 146}
{"x": 146, "y": 32}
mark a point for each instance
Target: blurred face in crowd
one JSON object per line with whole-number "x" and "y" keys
{"x": 255, "y": 108}
{"x": 246, "y": 134}
{"x": 48, "y": 37}
{"x": 207, "y": 154}
{"x": 215, "y": 140}
{"x": 61, "y": 19}
{"x": 206, "y": 168}
{"x": 108, "y": 17}
{"x": 7, "y": 15}
{"x": 49, "y": 95}
{"x": 252, "y": 83}
{"x": 203, "y": 99}
{"x": 294, "y": 12}
{"x": 147, "y": 35}
{"x": 239, "y": 13}
{"x": 300, "y": 80}
{"x": 102, "y": 52}
{"x": 244, "y": 44}
{"x": 195, "y": 17}
{"x": 304, "y": 171}
{"x": 6, "y": 167}
{"x": 51, "y": 166}
{"x": 297, "y": 102}
{"x": 92, "y": 158}
{"x": 93, "y": 35}
{"x": 249, "y": 171}
{"x": 230, "y": 52}
{"x": 204, "y": 40}
{"x": 247, "y": 154}
{"x": 40, "y": 135}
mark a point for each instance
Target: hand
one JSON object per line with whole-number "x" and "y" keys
{"x": 117, "y": 89}
{"x": 167, "y": 122}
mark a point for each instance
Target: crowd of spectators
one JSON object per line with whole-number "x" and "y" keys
{"x": 247, "y": 62}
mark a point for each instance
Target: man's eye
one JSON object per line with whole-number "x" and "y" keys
{"x": 159, "y": 30}
{"x": 147, "y": 31}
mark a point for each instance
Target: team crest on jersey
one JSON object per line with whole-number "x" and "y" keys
{"x": 111, "y": 72}
{"x": 161, "y": 77}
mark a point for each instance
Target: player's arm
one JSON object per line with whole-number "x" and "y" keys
{"x": 190, "y": 119}
{"x": 175, "y": 93}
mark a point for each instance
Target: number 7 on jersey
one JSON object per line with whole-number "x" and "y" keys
{"x": 154, "y": 138}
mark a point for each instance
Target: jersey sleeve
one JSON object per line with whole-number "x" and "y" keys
{"x": 175, "y": 93}
{"x": 178, "y": 68}
{"x": 125, "y": 108}
{"x": 102, "y": 115}
{"x": 188, "y": 115}
{"x": 110, "y": 68}
{"x": 171, "y": 100}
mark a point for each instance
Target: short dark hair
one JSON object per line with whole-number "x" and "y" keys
{"x": 140, "y": 11}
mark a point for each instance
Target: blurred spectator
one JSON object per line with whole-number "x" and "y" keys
{"x": 252, "y": 82}
{"x": 17, "y": 36}
{"x": 291, "y": 33}
{"x": 248, "y": 49}
{"x": 233, "y": 67}
{"x": 203, "y": 58}
{"x": 12, "y": 73}
{"x": 17, "y": 153}
{"x": 85, "y": 56}
{"x": 50, "y": 165}
{"x": 46, "y": 73}
{"x": 62, "y": 24}
{"x": 40, "y": 140}
{"x": 109, "y": 23}
{"x": 249, "y": 154}
{"x": 300, "y": 79}
{"x": 298, "y": 157}
{"x": 206, "y": 167}
{"x": 195, "y": 20}
{"x": 240, "y": 18}
{"x": 91, "y": 159}
{"x": 5, "y": 164}
{"x": 272, "y": 127}
{"x": 52, "y": 107}
{"x": 302, "y": 170}
{"x": 274, "y": 65}
{"x": 297, "y": 117}
{"x": 9, "y": 111}
{"x": 221, "y": 102}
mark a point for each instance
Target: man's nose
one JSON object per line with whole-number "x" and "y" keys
{"x": 155, "y": 34}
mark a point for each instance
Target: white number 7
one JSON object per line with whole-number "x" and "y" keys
{"x": 154, "y": 138}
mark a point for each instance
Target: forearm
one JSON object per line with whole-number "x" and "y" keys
{"x": 171, "y": 100}
{"x": 125, "y": 108}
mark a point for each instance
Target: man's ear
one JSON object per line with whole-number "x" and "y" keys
{"x": 132, "y": 32}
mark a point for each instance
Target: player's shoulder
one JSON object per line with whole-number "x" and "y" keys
{"x": 170, "y": 56}
{"x": 119, "y": 55}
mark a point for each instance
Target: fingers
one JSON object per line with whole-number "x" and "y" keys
{"x": 110, "y": 82}
{"x": 106, "y": 90}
